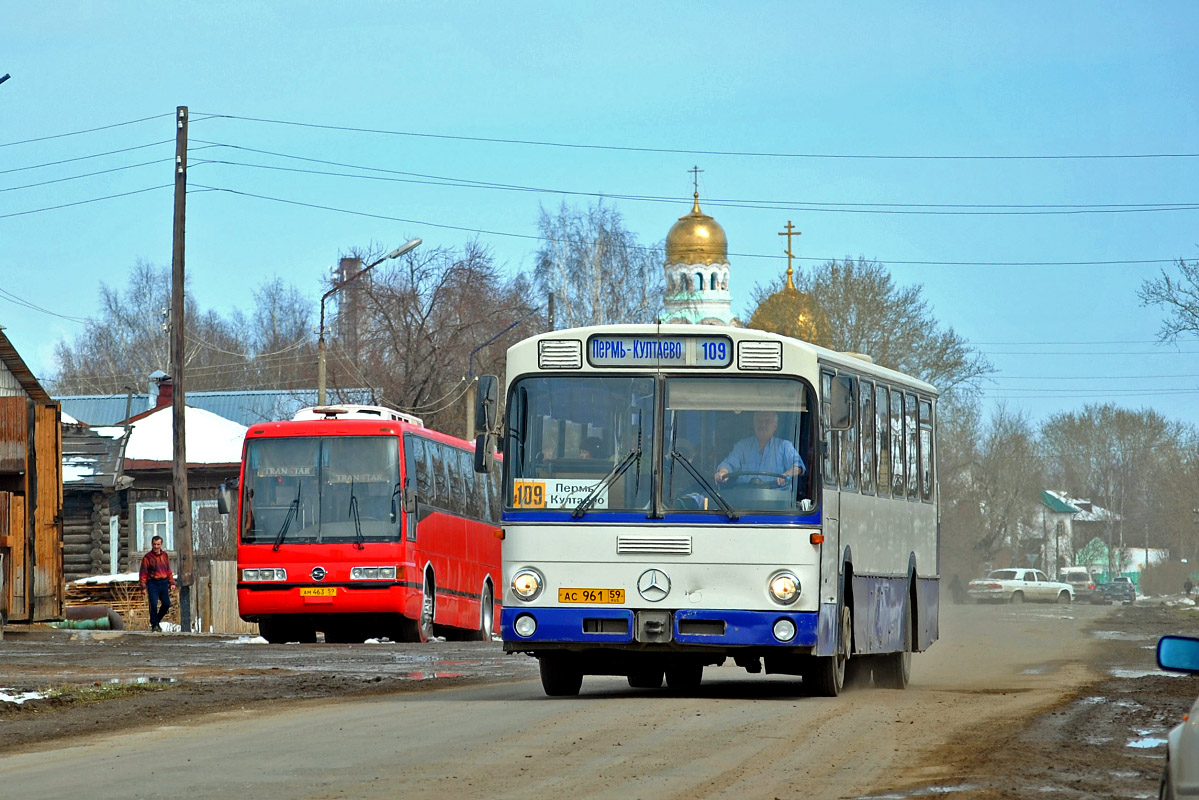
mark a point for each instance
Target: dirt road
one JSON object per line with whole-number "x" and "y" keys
{"x": 1012, "y": 702}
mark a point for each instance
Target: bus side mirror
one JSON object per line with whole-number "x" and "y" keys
{"x": 484, "y": 452}
{"x": 486, "y": 400}
{"x": 409, "y": 497}
{"x": 226, "y": 497}
{"x": 842, "y": 402}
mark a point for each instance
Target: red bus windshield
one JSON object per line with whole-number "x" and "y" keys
{"x": 307, "y": 490}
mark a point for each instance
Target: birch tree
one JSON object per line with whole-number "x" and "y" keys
{"x": 595, "y": 268}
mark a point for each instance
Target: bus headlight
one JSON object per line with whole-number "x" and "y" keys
{"x": 267, "y": 574}
{"x": 372, "y": 573}
{"x": 784, "y": 587}
{"x": 525, "y": 625}
{"x": 784, "y": 630}
{"x": 526, "y": 584}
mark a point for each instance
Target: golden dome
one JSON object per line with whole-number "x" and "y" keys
{"x": 696, "y": 239}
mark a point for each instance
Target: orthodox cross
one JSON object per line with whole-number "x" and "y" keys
{"x": 789, "y": 232}
{"x": 695, "y": 171}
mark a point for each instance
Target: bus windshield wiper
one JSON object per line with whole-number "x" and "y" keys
{"x": 675, "y": 455}
{"x": 613, "y": 474}
{"x": 292, "y": 512}
{"x": 353, "y": 512}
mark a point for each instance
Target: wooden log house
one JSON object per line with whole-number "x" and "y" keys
{"x": 30, "y": 494}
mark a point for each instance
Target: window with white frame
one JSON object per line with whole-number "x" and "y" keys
{"x": 154, "y": 519}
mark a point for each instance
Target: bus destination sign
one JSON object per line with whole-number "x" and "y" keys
{"x": 659, "y": 351}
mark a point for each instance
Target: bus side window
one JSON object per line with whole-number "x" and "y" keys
{"x": 831, "y": 437}
{"x": 882, "y": 441}
{"x": 459, "y": 504}
{"x": 866, "y": 421}
{"x": 898, "y": 487}
{"x": 493, "y": 494}
{"x": 910, "y": 435}
{"x": 440, "y": 496}
{"x": 926, "y": 451}
{"x": 475, "y": 490}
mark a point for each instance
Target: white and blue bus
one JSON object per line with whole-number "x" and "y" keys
{"x": 676, "y": 496}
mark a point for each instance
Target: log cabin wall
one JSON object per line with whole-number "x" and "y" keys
{"x": 31, "y": 480}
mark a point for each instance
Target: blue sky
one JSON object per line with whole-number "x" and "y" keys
{"x": 742, "y": 79}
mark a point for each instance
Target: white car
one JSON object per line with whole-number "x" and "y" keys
{"x": 1180, "y": 777}
{"x": 1018, "y": 585}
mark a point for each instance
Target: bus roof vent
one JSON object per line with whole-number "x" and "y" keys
{"x": 350, "y": 411}
{"x": 559, "y": 354}
{"x": 861, "y": 356}
{"x": 760, "y": 356}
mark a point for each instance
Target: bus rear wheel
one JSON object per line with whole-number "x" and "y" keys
{"x": 894, "y": 670}
{"x": 561, "y": 675}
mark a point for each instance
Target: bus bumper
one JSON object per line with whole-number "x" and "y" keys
{"x": 619, "y": 626}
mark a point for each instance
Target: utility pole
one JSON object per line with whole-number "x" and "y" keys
{"x": 551, "y": 311}
{"x": 181, "y": 504}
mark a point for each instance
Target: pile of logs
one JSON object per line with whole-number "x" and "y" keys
{"x": 122, "y": 594}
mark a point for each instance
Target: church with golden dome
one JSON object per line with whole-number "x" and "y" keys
{"x": 697, "y": 272}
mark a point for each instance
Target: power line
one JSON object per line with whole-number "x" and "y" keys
{"x": 924, "y": 209}
{"x": 88, "y": 130}
{"x": 684, "y": 151}
{"x": 12, "y": 298}
{"x": 85, "y": 202}
{"x": 772, "y": 257}
{"x": 85, "y": 158}
{"x": 85, "y": 175}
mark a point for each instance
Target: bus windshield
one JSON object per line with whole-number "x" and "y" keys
{"x": 729, "y": 445}
{"x": 735, "y": 444}
{"x": 581, "y": 443}
{"x": 304, "y": 490}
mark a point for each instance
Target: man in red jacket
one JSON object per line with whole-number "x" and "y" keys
{"x": 157, "y": 581}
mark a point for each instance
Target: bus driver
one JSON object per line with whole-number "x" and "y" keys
{"x": 763, "y": 453}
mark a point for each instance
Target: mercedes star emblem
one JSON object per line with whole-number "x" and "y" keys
{"x": 653, "y": 585}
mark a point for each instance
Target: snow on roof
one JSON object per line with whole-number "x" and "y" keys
{"x": 67, "y": 419}
{"x": 211, "y": 439}
{"x": 76, "y": 468}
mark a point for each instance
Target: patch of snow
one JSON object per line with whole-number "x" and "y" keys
{"x": 6, "y": 696}
{"x": 110, "y": 431}
{"x": 120, "y": 577}
{"x": 1143, "y": 673}
{"x": 211, "y": 439}
{"x": 248, "y": 640}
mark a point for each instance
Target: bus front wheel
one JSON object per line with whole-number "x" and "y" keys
{"x": 684, "y": 675}
{"x": 561, "y": 675}
{"x": 826, "y": 675}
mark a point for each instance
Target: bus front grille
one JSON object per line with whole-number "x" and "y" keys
{"x": 670, "y": 545}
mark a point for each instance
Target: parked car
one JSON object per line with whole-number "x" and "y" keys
{"x": 1119, "y": 590}
{"x": 1018, "y": 585}
{"x": 1180, "y": 776}
{"x": 1080, "y": 578}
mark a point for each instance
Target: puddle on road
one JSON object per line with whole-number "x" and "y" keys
{"x": 427, "y": 676}
{"x": 924, "y": 791}
{"x": 1143, "y": 673}
{"x": 1121, "y": 636}
{"x": 1147, "y": 742}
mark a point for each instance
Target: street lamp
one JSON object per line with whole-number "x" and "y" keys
{"x": 320, "y": 342}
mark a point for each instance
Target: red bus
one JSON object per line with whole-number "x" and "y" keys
{"x": 358, "y": 521}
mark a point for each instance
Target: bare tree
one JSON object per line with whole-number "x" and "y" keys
{"x": 1179, "y": 295}
{"x": 595, "y": 268}
{"x": 430, "y": 321}
{"x": 128, "y": 340}
{"x": 1128, "y": 462}
{"x": 855, "y": 306}
{"x": 1007, "y": 481}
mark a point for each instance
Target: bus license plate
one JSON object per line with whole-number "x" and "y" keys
{"x": 318, "y": 591}
{"x": 591, "y": 595}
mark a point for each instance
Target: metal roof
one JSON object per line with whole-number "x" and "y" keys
{"x": 244, "y": 407}
{"x": 1055, "y": 503}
